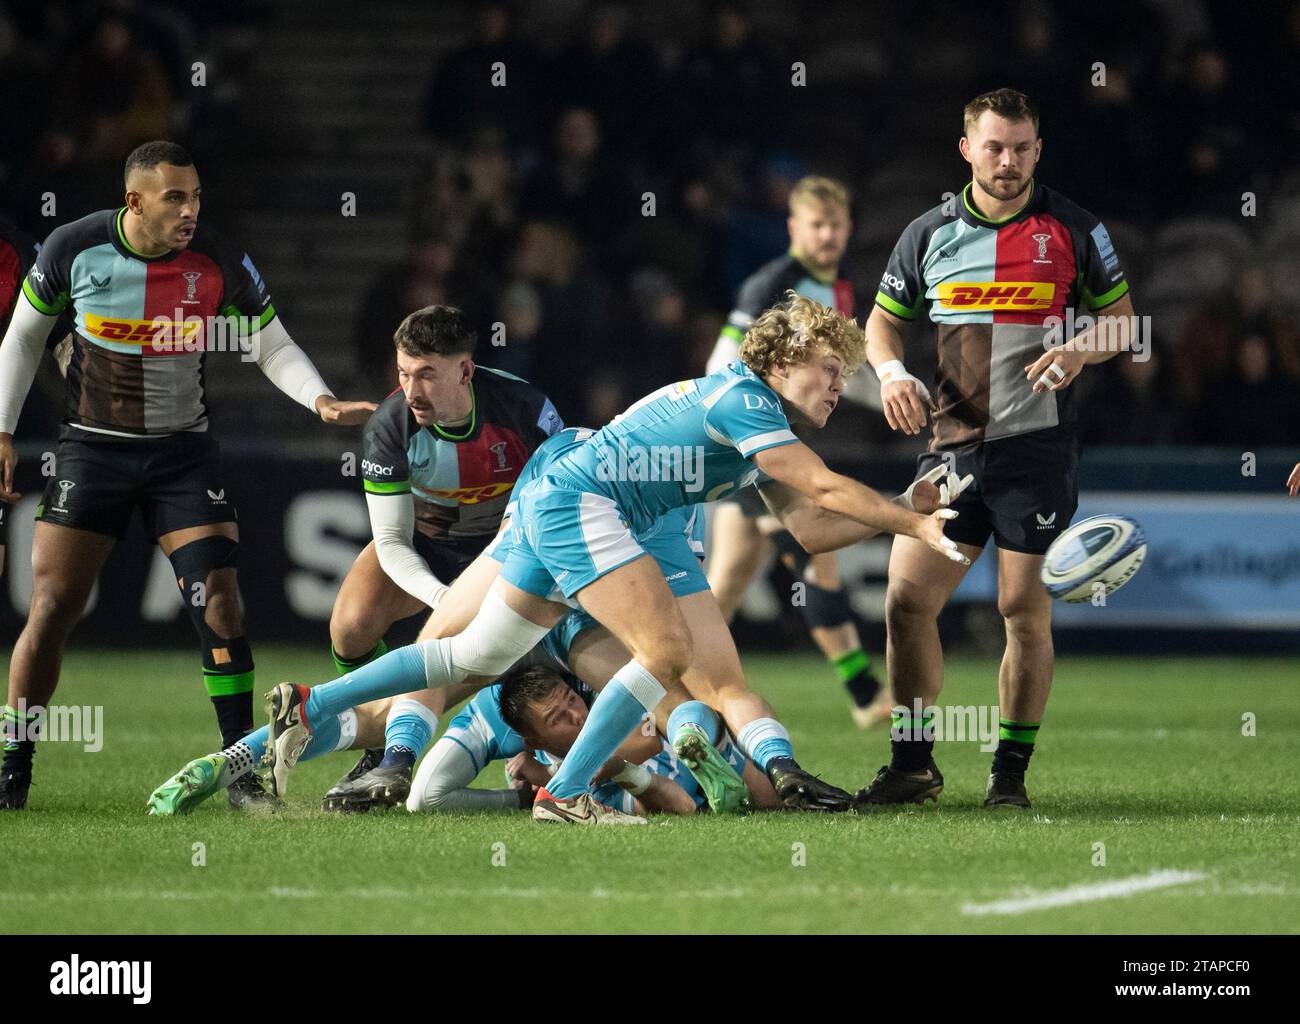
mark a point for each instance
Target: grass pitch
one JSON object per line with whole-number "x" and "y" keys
{"x": 1146, "y": 757}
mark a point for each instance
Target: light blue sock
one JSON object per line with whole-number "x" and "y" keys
{"x": 694, "y": 712}
{"x": 618, "y": 710}
{"x": 256, "y": 742}
{"x": 764, "y": 739}
{"x": 397, "y": 672}
{"x": 408, "y": 730}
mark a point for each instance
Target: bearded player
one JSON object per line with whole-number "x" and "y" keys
{"x": 819, "y": 227}
{"x": 996, "y": 274}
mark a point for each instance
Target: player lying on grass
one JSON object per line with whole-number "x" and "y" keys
{"x": 573, "y": 539}
{"x": 440, "y": 457}
{"x": 577, "y": 644}
{"x": 576, "y": 640}
{"x": 715, "y": 676}
{"x": 530, "y": 720}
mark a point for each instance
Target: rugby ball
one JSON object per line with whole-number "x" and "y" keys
{"x": 1100, "y": 549}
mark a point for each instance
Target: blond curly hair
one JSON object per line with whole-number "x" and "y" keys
{"x": 798, "y": 329}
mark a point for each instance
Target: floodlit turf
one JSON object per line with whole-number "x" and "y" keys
{"x": 1144, "y": 756}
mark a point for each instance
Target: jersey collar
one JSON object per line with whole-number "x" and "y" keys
{"x": 118, "y": 236}
{"x": 968, "y": 213}
{"x": 812, "y": 273}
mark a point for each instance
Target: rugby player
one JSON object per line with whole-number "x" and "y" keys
{"x": 530, "y": 719}
{"x": 440, "y": 457}
{"x": 997, "y": 274}
{"x": 144, "y": 284}
{"x": 819, "y": 227}
{"x": 573, "y": 538}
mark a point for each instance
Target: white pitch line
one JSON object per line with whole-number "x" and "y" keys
{"x": 1084, "y": 893}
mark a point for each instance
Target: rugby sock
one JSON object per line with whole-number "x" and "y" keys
{"x": 232, "y": 699}
{"x": 242, "y": 757}
{"x": 765, "y": 740}
{"x": 399, "y": 671}
{"x": 346, "y": 665}
{"x": 731, "y": 754}
{"x": 18, "y": 752}
{"x": 618, "y": 710}
{"x": 697, "y": 713}
{"x": 1015, "y": 746}
{"x": 407, "y": 732}
{"x": 854, "y": 670}
{"x": 912, "y": 739}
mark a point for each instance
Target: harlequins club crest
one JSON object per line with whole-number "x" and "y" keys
{"x": 191, "y": 284}
{"x": 1042, "y": 241}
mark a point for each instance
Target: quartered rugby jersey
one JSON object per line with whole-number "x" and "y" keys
{"x": 990, "y": 287}
{"x": 688, "y": 442}
{"x": 142, "y": 324}
{"x": 460, "y": 478}
{"x": 767, "y": 286}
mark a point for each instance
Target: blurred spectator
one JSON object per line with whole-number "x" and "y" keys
{"x": 1257, "y": 406}
{"x": 1129, "y": 401}
{"x": 461, "y": 96}
{"x": 1207, "y": 137}
{"x": 520, "y": 314}
{"x": 580, "y": 185}
{"x": 728, "y": 81}
{"x": 615, "y": 77}
{"x": 114, "y": 93}
{"x": 578, "y": 335}
{"x": 1205, "y": 350}
{"x": 422, "y": 279}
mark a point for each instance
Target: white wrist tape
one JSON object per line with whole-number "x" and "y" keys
{"x": 894, "y": 370}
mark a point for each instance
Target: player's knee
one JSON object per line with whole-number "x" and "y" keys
{"x": 670, "y": 656}
{"x": 222, "y": 613}
{"x": 907, "y": 605}
{"x": 349, "y": 632}
{"x": 1028, "y": 615}
{"x": 55, "y": 607}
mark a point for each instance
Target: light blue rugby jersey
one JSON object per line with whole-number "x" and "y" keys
{"x": 688, "y": 519}
{"x": 687, "y": 442}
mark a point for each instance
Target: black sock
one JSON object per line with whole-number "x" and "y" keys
{"x": 234, "y": 716}
{"x": 1011, "y": 757}
{"x": 18, "y": 752}
{"x": 912, "y": 751}
{"x": 781, "y": 764}
{"x": 398, "y": 756}
{"x": 863, "y": 687}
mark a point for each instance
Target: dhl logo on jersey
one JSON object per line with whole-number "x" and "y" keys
{"x": 1024, "y": 295}
{"x": 469, "y": 495}
{"x": 165, "y": 336}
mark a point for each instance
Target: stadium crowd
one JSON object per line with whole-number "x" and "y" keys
{"x": 532, "y": 210}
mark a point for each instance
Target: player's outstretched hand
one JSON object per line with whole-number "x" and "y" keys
{"x": 936, "y": 489}
{"x": 1293, "y": 481}
{"x": 8, "y": 463}
{"x": 1054, "y": 369}
{"x": 345, "y": 414}
{"x": 931, "y": 532}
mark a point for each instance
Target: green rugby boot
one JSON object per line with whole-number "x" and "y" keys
{"x": 189, "y": 787}
{"x": 723, "y": 788}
